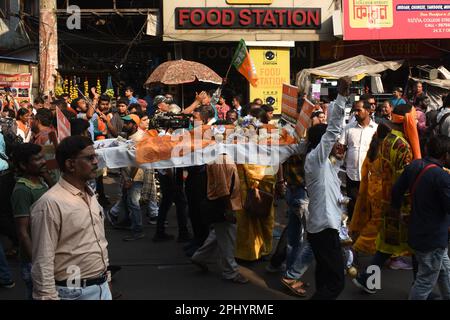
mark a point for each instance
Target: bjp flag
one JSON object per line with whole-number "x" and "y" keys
{"x": 244, "y": 64}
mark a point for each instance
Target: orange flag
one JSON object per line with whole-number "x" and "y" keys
{"x": 244, "y": 64}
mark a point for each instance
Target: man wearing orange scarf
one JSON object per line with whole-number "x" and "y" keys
{"x": 397, "y": 150}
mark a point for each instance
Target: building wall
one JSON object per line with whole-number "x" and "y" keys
{"x": 325, "y": 32}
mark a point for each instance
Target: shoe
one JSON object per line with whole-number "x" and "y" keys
{"x": 202, "y": 266}
{"x": 162, "y": 237}
{"x": 7, "y": 285}
{"x": 400, "y": 264}
{"x": 134, "y": 236}
{"x": 184, "y": 237}
{"x": 152, "y": 221}
{"x": 272, "y": 269}
{"x": 356, "y": 282}
{"x": 239, "y": 278}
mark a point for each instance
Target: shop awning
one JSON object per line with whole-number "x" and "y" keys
{"x": 357, "y": 68}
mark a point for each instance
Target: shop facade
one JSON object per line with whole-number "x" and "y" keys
{"x": 281, "y": 37}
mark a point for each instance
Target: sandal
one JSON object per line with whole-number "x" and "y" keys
{"x": 296, "y": 286}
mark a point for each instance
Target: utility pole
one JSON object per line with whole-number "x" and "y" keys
{"x": 48, "y": 46}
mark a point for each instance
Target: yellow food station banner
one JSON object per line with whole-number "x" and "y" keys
{"x": 272, "y": 68}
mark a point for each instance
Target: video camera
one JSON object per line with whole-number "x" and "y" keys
{"x": 172, "y": 121}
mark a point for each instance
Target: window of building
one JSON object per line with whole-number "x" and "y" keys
{"x": 4, "y": 9}
{"x": 30, "y": 7}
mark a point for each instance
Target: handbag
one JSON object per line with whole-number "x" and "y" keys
{"x": 258, "y": 203}
{"x": 213, "y": 211}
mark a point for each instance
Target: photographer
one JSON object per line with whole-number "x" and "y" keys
{"x": 168, "y": 117}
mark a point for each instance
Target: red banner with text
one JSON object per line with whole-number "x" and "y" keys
{"x": 396, "y": 19}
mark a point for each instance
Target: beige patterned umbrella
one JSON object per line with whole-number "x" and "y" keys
{"x": 182, "y": 71}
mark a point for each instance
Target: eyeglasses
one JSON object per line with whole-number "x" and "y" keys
{"x": 90, "y": 158}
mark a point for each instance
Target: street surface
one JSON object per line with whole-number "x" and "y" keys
{"x": 162, "y": 271}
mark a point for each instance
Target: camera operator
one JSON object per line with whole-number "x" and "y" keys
{"x": 171, "y": 180}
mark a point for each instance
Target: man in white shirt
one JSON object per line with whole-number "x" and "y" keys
{"x": 356, "y": 137}
{"x": 323, "y": 185}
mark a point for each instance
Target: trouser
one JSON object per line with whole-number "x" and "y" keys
{"x": 25, "y": 272}
{"x": 305, "y": 257}
{"x": 434, "y": 268}
{"x": 280, "y": 251}
{"x": 379, "y": 259}
{"x": 196, "y": 189}
{"x": 352, "y": 192}
{"x": 94, "y": 292}
{"x": 7, "y": 225}
{"x": 329, "y": 274}
{"x": 149, "y": 196}
{"x": 222, "y": 236}
{"x": 294, "y": 197}
{"x": 171, "y": 192}
{"x": 131, "y": 201}
{"x": 5, "y": 272}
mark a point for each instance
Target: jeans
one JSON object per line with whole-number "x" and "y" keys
{"x": 25, "y": 273}
{"x": 434, "y": 267}
{"x": 5, "y": 272}
{"x": 279, "y": 255}
{"x": 95, "y": 292}
{"x": 294, "y": 197}
{"x": 223, "y": 237}
{"x": 132, "y": 202}
{"x": 302, "y": 262}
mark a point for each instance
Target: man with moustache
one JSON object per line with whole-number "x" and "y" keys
{"x": 69, "y": 248}
{"x": 32, "y": 183}
{"x": 356, "y": 138}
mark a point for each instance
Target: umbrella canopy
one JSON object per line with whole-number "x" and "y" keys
{"x": 182, "y": 71}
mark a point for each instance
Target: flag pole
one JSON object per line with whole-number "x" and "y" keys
{"x": 229, "y": 68}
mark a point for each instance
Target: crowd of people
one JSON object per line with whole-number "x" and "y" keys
{"x": 393, "y": 202}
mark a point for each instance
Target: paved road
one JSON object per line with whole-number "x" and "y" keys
{"x": 162, "y": 271}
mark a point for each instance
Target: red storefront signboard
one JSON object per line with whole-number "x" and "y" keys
{"x": 396, "y": 19}
{"x": 248, "y": 18}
